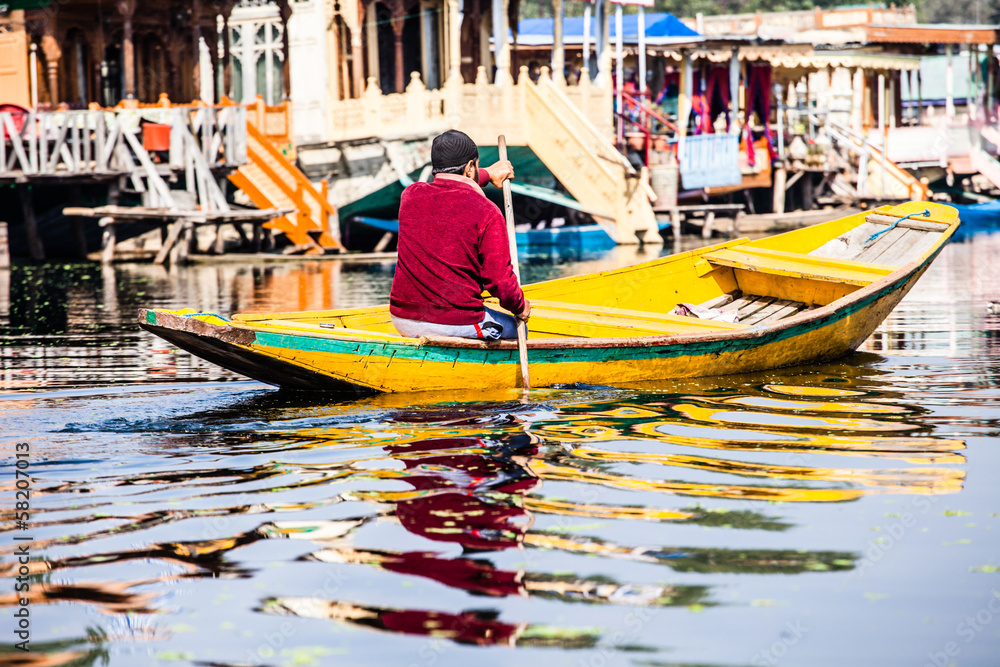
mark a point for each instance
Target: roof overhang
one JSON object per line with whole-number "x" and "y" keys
{"x": 802, "y": 57}
{"x": 938, "y": 33}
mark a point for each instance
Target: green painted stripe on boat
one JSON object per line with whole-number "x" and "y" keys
{"x": 433, "y": 353}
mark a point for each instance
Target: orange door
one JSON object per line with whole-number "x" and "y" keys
{"x": 14, "y": 69}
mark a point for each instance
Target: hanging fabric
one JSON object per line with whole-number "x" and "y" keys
{"x": 759, "y": 101}
{"x": 699, "y": 109}
{"x": 717, "y": 94}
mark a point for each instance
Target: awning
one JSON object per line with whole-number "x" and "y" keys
{"x": 804, "y": 57}
{"x": 553, "y": 197}
{"x": 661, "y": 28}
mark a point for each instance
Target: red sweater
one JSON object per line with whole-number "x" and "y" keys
{"x": 452, "y": 245}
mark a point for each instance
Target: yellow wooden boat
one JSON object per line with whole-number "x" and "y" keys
{"x": 805, "y": 296}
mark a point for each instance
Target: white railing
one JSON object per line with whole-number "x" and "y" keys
{"x": 69, "y": 143}
{"x": 108, "y": 143}
{"x": 419, "y": 111}
{"x": 892, "y": 180}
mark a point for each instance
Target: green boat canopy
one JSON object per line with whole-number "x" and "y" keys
{"x": 12, "y": 5}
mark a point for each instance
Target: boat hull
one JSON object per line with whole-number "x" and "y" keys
{"x": 335, "y": 363}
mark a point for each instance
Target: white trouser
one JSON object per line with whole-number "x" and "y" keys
{"x": 494, "y": 326}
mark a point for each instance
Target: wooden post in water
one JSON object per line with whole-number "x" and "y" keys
{"x": 780, "y": 179}
{"x": 4, "y": 247}
{"x": 108, "y": 239}
{"x": 4, "y": 272}
{"x": 35, "y": 248}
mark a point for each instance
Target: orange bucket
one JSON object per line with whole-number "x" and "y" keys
{"x": 156, "y": 137}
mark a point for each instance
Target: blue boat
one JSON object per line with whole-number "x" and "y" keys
{"x": 977, "y": 219}
{"x": 578, "y": 237}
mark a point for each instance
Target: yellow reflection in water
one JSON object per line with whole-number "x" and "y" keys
{"x": 828, "y": 392}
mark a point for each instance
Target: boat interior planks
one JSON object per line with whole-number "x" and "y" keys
{"x": 805, "y": 296}
{"x": 898, "y": 242}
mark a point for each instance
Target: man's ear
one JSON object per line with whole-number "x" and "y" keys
{"x": 470, "y": 169}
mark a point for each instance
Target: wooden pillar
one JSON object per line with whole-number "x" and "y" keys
{"x": 398, "y": 22}
{"x": 990, "y": 83}
{"x": 857, "y": 99}
{"x": 371, "y": 36}
{"x": 285, "y": 11}
{"x": 35, "y": 248}
{"x": 684, "y": 94}
{"x": 127, "y": 9}
{"x": 514, "y": 56}
{"x": 454, "y": 38}
{"x": 949, "y": 82}
{"x": 50, "y": 47}
{"x": 97, "y": 47}
{"x": 227, "y": 54}
{"x": 428, "y": 64}
{"x": 920, "y": 97}
{"x": 334, "y": 85}
{"x": 357, "y": 63}
{"x": 196, "y": 48}
{"x": 558, "y": 47}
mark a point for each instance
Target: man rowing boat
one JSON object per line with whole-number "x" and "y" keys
{"x": 453, "y": 245}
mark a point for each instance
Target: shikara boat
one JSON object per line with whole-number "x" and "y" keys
{"x": 805, "y": 296}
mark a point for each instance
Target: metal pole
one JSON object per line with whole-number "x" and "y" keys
{"x": 586, "y": 41}
{"x": 882, "y": 126}
{"x": 780, "y": 93}
{"x": 600, "y": 38}
{"x": 34, "y": 76}
{"x": 642, "y": 49}
{"x": 734, "y": 91}
{"x": 619, "y": 73}
{"x": 558, "y": 46}
{"x": 499, "y": 34}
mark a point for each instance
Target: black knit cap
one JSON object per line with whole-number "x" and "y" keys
{"x": 452, "y": 150}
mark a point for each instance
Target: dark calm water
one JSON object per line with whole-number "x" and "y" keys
{"x": 839, "y": 514}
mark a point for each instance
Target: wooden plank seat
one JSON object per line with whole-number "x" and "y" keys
{"x": 754, "y": 310}
{"x": 907, "y": 241}
{"x": 798, "y": 265}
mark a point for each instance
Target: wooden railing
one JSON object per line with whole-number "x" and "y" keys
{"x": 271, "y": 180}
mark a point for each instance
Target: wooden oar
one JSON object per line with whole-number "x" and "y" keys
{"x": 508, "y": 209}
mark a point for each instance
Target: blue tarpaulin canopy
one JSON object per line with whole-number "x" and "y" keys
{"x": 661, "y": 28}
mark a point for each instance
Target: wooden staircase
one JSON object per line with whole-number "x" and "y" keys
{"x": 897, "y": 184}
{"x": 271, "y": 180}
{"x": 587, "y": 163}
